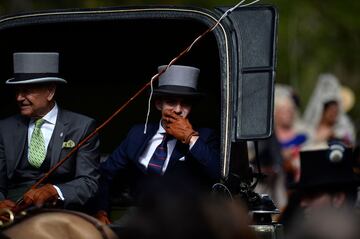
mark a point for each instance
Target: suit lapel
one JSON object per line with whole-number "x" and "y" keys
{"x": 19, "y": 140}
{"x": 58, "y": 137}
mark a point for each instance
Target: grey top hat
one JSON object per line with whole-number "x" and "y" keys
{"x": 178, "y": 80}
{"x": 35, "y": 67}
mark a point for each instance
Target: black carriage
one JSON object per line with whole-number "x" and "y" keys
{"x": 107, "y": 54}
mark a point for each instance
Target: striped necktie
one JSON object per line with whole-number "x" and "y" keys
{"x": 37, "y": 145}
{"x": 157, "y": 160}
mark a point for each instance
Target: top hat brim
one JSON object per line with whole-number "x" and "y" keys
{"x": 18, "y": 81}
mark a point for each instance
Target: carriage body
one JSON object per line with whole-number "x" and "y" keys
{"x": 107, "y": 54}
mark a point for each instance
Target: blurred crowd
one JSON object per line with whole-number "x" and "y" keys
{"x": 323, "y": 121}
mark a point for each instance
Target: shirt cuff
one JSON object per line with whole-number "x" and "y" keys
{"x": 193, "y": 143}
{"x": 61, "y": 196}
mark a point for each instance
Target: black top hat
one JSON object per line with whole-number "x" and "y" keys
{"x": 328, "y": 169}
{"x": 35, "y": 67}
{"x": 178, "y": 80}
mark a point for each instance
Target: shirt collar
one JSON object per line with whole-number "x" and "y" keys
{"x": 51, "y": 116}
{"x": 161, "y": 129}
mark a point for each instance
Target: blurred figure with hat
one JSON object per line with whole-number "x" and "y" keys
{"x": 327, "y": 180}
{"x": 171, "y": 149}
{"x": 325, "y": 115}
{"x": 35, "y": 140}
{"x": 325, "y": 193}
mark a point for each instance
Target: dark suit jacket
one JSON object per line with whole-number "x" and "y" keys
{"x": 77, "y": 178}
{"x": 202, "y": 162}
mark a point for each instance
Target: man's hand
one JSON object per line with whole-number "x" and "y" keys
{"x": 102, "y": 216}
{"x": 39, "y": 196}
{"x": 7, "y": 204}
{"x": 178, "y": 127}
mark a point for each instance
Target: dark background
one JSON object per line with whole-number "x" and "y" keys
{"x": 107, "y": 61}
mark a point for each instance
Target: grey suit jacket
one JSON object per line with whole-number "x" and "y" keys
{"x": 77, "y": 178}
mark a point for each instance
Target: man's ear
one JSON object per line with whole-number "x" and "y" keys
{"x": 338, "y": 199}
{"x": 52, "y": 90}
{"x": 158, "y": 104}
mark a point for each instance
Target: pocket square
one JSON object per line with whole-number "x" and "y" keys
{"x": 68, "y": 144}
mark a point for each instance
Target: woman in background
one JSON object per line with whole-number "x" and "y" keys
{"x": 324, "y": 115}
{"x": 289, "y": 130}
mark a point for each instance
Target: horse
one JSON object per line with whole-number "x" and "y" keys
{"x": 56, "y": 224}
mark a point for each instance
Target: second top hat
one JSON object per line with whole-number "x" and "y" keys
{"x": 35, "y": 67}
{"x": 178, "y": 80}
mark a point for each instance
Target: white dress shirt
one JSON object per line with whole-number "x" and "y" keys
{"x": 145, "y": 157}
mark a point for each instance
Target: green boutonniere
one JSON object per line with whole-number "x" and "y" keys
{"x": 68, "y": 144}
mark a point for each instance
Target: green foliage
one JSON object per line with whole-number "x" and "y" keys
{"x": 318, "y": 36}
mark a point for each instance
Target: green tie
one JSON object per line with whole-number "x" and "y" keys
{"x": 37, "y": 145}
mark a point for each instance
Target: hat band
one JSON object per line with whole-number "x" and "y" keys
{"x": 177, "y": 88}
{"x": 27, "y": 76}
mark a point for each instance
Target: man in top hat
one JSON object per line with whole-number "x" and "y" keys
{"x": 170, "y": 149}
{"x": 35, "y": 140}
{"x": 327, "y": 179}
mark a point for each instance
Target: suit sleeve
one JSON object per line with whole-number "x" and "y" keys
{"x": 206, "y": 151}
{"x": 85, "y": 183}
{"x": 116, "y": 162}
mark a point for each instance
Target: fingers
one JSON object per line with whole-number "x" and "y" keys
{"x": 33, "y": 200}
{"x": 7, "y": 204}
{"x": 38, "y": 203}
{"x": 173, "y": 119}
{"x": 169, "y": 118}
{"x": 171, "y": 114}
{"x": 40, "y": 197}
{"x": 103, "y": 217}
{"x": 106, "y": 221}
{"x": 35, "y": 197}
{"x": 28, "y": 197}
{"x": 11, "y": 203}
